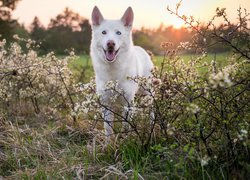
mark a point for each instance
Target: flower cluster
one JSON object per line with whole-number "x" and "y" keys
{"x": 32, "y": 80}
{"x": 193, "y": 108}
{"x": 222, "y": 78}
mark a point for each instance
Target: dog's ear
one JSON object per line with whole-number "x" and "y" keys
{"x": 97, "y": 17}
{"x": 128, "y": 17}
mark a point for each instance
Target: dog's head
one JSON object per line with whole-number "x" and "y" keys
{"x": 111, "y": 37}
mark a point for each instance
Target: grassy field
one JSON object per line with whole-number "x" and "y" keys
{"x": 83, "y": 63}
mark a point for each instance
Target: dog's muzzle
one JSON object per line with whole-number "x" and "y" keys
{"x": 110, "y": 52}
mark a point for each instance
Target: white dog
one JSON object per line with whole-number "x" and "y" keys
{"x": 115, "y": 58}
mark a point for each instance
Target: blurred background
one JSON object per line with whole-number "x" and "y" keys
{"x": 61, "y": 25}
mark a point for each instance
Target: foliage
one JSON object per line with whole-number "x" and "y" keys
{"x": 233, "y": 36}
{"x": 188, "y": 125}
{"x": 9, "y": 26}
{"x": 76, "y": 33}
{"x": 151, "y": 39}
{"x": 38, "y": 32}
{"x": 199, "y": 119}
{"x": 67, "y": 31}
{"x": 29, "y": 81}
{"x": 5, "y": 7}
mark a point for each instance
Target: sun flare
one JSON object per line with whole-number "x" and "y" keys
{"x": 178, "y": 23}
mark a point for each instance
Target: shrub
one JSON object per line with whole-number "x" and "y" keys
{"x": 33, "y": 85}
{"x": 201, "y": 113}
{"x": 192, "y": 122}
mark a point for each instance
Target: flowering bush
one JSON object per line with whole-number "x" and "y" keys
{"x": 200, "y": 117}
{"x": 195, "y": 111}
{"x": 31, "y": 84}
{"x": 192, "y": 120}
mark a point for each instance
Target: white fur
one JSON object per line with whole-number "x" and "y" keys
{"x": 130, "y": 60}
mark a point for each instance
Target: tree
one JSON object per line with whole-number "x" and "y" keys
{"x": 38, "y": 33}
{"x": 37, "y": 29}
{"x": 83, "y": 37}
{"x": 67, "y": 19}
{"x": 7, "y": 24}
{"x": 68, "y": 30}
{"x": 36, "y": 25}
{"x": 6, "y": 6}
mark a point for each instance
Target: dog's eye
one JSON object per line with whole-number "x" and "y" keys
{"x": 118, "y": 33}
{"x": 104, "y": 32}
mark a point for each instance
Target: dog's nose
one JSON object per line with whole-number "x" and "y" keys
{"x": 111, "y": 44}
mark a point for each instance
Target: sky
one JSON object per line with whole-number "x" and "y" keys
{"x": 147, "y": 13}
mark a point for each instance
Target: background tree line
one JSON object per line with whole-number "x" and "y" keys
{"x": 8, "y": 25}
{"x": 68, "y": 30}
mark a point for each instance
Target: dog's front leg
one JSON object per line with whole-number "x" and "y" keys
{"x": 108, "y": 118}
{"x": 126, "y": 118}
{"x": 128, "y": 109}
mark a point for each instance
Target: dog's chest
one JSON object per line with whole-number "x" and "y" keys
{"x": 119, "y": 75}
{"x": 114, "y": 73}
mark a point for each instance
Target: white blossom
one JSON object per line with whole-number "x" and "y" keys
{"x": 221, "y": 79}
{"x": 205, "y": 160}
{"x": 193, "y": 108}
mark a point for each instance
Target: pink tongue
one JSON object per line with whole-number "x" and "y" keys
{"x": 110, "y": 55}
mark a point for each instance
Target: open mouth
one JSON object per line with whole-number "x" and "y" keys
{"x": 110, "y": 54}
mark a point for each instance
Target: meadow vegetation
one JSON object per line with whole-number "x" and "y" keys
{"x": 51, "y": 125}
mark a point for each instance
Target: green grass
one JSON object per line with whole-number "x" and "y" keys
{"x": 221, "y": 59}
{"x": 209, "y": 57}
{"x": 83, "y": 70}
